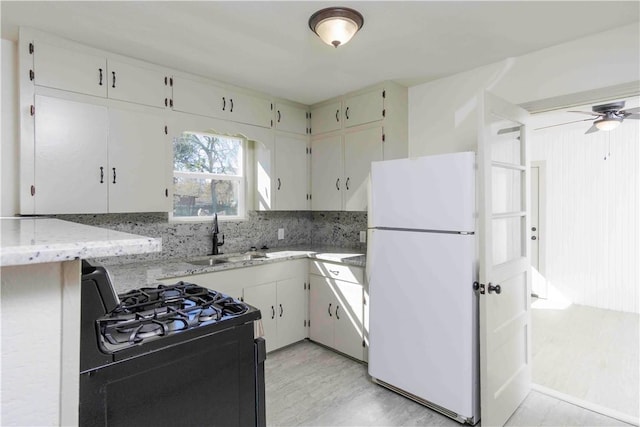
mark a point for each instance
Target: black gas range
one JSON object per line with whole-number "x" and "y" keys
{"x": 179, "y": 355}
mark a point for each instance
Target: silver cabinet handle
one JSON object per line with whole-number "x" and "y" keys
{"x": 281, "y": 310}
{"x": 101, "y": 175}
{"x": 329, "y": 310}
{"x": 338, "y": 184}
{"x": 279, "y": 183}
{"x": 273, "y": 312}
{"x": 114, "y": 175}
{"x": 347, "y": 183}
{"x": 337, "y": 308}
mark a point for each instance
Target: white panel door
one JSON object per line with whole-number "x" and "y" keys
{"x": 136, "y": 84}
{"x": 263, "y": 297}
{"x": 291, "y": 296}
{"x": 327, "y": 169}
{"x": 425, "y": 193}
{"x": 291, "y": 119}
{"x": 360, "y": 149}
{"x": 505, "y": 270}
{"x": 363, "y": 108}
{"x": 292, "y": 173}
{"x": 326, "y": 118}
{"x": 70, "y": 157}
{"x": 348, "y": 314}
{"x": 68, "y": 69}
{"x": 137, "y": 163}
{"x": 422, "y": 316}
{"x": 321, "y": 308}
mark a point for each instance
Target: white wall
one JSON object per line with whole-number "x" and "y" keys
{"x": 442, "y": 115}
{"x": 9, "y": 145}
{"x": 593, "y": 213}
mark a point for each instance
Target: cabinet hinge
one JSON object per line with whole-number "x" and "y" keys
{"x": 383, "y": 137}
{"x": 32, "y": 110}
{"x": 166, "y": 130}
{"x": 384, "y": 94}
{"x": 32, "y": 75}
{"x": 33, "y": 190}
{"x": 31, "y": 48}
{"x": 384, "y": 113}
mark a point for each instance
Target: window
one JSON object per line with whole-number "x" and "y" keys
{"x": 208, "y": 176}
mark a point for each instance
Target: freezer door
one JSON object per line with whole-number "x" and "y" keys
{"x": 422, "y": 316}
{"x": 425, "y": 193}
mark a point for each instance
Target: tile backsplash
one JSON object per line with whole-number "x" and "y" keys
{"x": 183, "y": 240}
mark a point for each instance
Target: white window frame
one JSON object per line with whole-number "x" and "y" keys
{"x": 240, "y": 179}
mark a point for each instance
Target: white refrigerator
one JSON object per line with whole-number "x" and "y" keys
{"x": 423, "y": 327}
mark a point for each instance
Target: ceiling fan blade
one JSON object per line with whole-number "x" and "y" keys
{"x": 562, "y": 124}
{"x": 592, "y": 129}
{"x": 590, "y": 113}
{"x": 508, "y": 130}
{"x": 632, "y": 116}
{"x": 631, "y": 110}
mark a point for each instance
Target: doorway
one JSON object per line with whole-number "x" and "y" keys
{"x": 585, "y": 320}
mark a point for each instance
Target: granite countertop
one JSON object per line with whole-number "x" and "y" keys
{"x": 39, "y": 240}
{"x": 139, "y": 274}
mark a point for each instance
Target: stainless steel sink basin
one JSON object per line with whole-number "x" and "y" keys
{"x": 208, "y": 261}
{"x": 227, "y": 259}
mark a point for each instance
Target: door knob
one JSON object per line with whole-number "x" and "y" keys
{"x": 534, "y": 238}
{"x": 533, "y": 229}
{"x": 495, "y": 288}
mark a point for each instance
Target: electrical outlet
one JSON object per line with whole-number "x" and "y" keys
{"x": 363, "y": 237}
{"x": 280, "y": 233}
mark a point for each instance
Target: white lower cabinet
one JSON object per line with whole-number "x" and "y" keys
{"x": 278, "y": 290}
{"x": 336, "y": 315}
{"x": 282, "y": 304}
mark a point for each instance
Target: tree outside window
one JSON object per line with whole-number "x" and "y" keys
{"x": 208, "y": 175}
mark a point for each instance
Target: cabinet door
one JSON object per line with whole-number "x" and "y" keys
{"x": 364, "y": 108}
{"x": 326, "y": 174}
{"x": 130, "y": 83}
{"x": 70, "y": 157}
{"x": 248, "y": 109}
{"x": 291, "y": 119}
{"x": 322, "y": 305}
{"x": 136, "y": 176}
{"x": 292, "y": 300}
{"x": 263, "y": 297}
{"x": 348, "y": 318}
{"x": 71, "y": 70}
{"x": 360, "y": 149}
{"x": 326, "y": 118}
{"x": 291, "y": 174}
{"x": 195, "y": 97}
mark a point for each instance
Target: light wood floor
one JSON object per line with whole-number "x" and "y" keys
{"x": 309, "y": 385}
{"x": 589, "y": 353}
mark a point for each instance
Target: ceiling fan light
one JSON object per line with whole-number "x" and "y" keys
{"x": 336, "y": 25}
{"x": 608, "y": 124}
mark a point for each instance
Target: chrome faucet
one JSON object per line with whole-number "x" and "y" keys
{"x": 215, "y": 232}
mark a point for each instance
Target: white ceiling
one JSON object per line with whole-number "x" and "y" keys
{"x": 267, "y": 45}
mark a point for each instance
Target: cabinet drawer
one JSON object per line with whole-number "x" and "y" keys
{"x": 344, "y": 272}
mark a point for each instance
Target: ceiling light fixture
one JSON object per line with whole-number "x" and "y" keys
{"x": 609, "y": 122}
{"x": 336, "y": 25}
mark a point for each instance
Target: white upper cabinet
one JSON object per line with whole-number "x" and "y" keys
{"x": 140, "y": 85}
{"x": 71, "y": 170}
{"x": 68, "y": 69}
{"x": 291, "y": 174}
{"x": 326, "y": 118}
{"x": 195, "y": 97}
{"x": 137, "y": 156}
{"x": 206, "y": 99}
{"x": 94, "y": 159}
{"x": 289, "y": 118}
{"x": 327, "y": 168}
{"x": 360, "y": 149}
{"x": 364, "y": 108}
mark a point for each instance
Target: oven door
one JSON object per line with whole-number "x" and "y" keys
{"x": 211, "y": 380}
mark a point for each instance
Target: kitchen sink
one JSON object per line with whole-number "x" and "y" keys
{"x": 227, "y": 259}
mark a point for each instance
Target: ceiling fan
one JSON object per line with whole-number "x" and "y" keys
{"x": 605, "y": 116}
